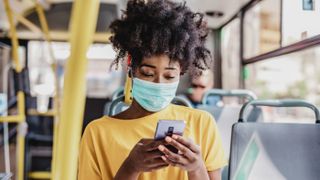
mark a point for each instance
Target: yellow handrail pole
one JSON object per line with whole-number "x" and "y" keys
{"x": 12, "y": 118}
{"x": 83, "y": 27}
{"x": 39, "y": 175}
{"x": 45, "y": 29}
{"x": 34, "y": 28}
{"x": 14, "y": 38}
{"x": 20, "y": 94}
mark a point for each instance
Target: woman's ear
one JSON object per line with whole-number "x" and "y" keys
{"x": 129, "y": 63}
{"x": 130, "y": 73}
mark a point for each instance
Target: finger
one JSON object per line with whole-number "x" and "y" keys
{"x": 141, "y": 143}
{"x": 187, "y": 143}
{"x": 145, "y": 141}
{"x": 151, "y": 163}
{"x": 182, "y": 149}
{"x": 152, "y": 145}
{"x": 157, "y": 167}
{"x": 172, "y": 163}
{"x": 176, "y": 158}
{"x": 168, "y": 161}
{"x": 154, "y": 154}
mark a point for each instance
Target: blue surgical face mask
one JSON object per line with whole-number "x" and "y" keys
{"x": 152, "y": 96}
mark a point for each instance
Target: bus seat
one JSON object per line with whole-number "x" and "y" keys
{"x": 240, "y": 93}
{"x": 226, "y": 115}
{"x": 116, "y": 106}
{"x": 275, "y": 150}
{"x": 178, "y": 100}
{"x": 119, "y": 92}
{"x": 293, "y": 149}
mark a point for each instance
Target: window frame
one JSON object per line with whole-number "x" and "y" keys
{"x": 282, "y": 50}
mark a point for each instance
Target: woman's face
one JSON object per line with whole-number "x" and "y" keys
{"x": 158, "y": 69}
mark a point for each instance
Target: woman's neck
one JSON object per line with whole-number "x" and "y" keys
{"x": 135, "y": 111}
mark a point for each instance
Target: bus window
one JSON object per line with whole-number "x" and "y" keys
{"x": 304, "y": 24}
{"x": 289, "y": 76}
{"x": 262, "y": 28}
{"x": 99, "y": 74}
{"x": 230, "y": 52}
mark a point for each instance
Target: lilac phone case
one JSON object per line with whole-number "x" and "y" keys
{"x": 169, "y": 127}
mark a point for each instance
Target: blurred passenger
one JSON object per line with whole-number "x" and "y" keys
{"x": 199, "y": 86}
{"x": 164, "y": 39}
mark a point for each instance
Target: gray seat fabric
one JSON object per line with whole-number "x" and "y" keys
{"x": 215, "y": 111}
{"x": 226, "y": 116}
{"x": 119, "y": 108}
{"x": 292, "y": 149}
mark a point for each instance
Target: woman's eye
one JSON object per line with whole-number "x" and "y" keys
{"x": 147, "y": 74}
{"x": 170, "y": 77}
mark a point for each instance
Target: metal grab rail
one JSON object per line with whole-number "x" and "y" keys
{"x": 114, "y": 104}
{"x": 231, "y": 93}
{"x": 119, "y": 92}
{"x": 279, "y": 103}
{"x": 82, "y": 29}
{"x": 20, "y": 117}
{"x": 182, "y": 101}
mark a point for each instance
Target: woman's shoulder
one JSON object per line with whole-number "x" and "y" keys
{"x": 191, "y": 111}
{"x": 97, "y": 124}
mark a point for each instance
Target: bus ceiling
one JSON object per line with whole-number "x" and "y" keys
{"x": 58, "y": 16}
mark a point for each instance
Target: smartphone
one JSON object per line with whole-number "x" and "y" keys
{"x": 167, "y": 128}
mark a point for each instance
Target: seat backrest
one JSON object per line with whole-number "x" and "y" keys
{"x": 116, "y": 106}
{"x": 180, "y": 100}
{"x": 240, "y": 93}
{"x": 275, "y": 151}
{"x": 226, "y": 116}
{"x": 119, "y": 92}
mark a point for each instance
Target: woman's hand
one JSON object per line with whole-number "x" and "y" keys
{"x": 145, "y": 156}
{"x": 188, "y": 158}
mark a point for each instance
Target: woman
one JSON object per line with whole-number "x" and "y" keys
{"x": 164, "y": 39}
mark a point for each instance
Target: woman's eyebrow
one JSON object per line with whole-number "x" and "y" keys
{"x": 171, "y": 68}
{"x": 147, "y": 65}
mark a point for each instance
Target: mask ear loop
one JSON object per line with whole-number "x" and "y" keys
{"x": 128, "y": 84}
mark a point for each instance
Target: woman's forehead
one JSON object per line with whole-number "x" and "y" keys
{"x": 158, "y": 61}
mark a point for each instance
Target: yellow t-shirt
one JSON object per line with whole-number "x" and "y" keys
{"x": 107, "y": 142}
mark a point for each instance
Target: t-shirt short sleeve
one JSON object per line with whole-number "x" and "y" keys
{"x": 213, "y": 152}
{"x": 88, "y": 167}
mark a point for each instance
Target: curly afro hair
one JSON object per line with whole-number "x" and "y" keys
{"x": 160, "y": 27}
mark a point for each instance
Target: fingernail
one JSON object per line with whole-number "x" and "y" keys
{"x": 174, "y": 136}
{"x": 164, "y": 158}
{"x": 161, "y": 148}
{"x": 168, "y": 139}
